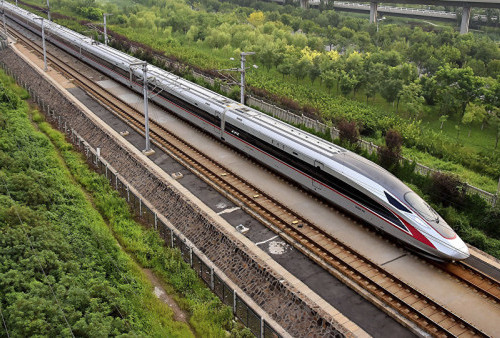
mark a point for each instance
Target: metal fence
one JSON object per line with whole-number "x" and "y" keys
{"x": 203, "y": 268}
{"x": 316, "y": 125}
{"x": 143, "y": 211}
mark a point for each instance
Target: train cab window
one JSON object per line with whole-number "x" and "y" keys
{"x": 395, "y": 203}
{"x": 429, "y": 214}
{"x": 417, "y": 203}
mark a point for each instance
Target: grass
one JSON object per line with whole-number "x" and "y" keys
{"x": 479, "y": 140}
{"x": 106, "y": 215}
{"x": 465, "y": 174}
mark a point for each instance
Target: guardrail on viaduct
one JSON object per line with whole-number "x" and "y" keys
{"x": 373, "y": 8}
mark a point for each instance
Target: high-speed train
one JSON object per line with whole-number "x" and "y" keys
{"x": 348, "y": 180}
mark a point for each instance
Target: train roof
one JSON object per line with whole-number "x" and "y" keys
{"x": 306, "y": 139}
{"x": 344, "y": 157}
{"x": 372, "y": 171}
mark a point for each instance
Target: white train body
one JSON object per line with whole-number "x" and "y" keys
{"x": 350, "y": 181}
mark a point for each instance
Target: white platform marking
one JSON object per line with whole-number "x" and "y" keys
{"x": 241, "y": 228}
{"x": 267, "y": 240}
{"x": 227, "y": 211}
{"x": 221, "y": 205}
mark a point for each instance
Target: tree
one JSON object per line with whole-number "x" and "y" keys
{"x": 449, "y": 54}
{"x": 266, "y": 55}
{"x": 390, "y": 88}
{"x": 486, "y": 51}
{"x": 348, "y": 132}
{"x": 493, "y": 68}
{"x": 286, "y": 65}
{"x": 301, "y": 68}
{"x": 315, "y": 70}
{"x": 447, "y": 189}
{"x": 456, "y": 87}
{"x": 477, "y": 66}
{"x": 331, "y": 63}
{"x": 490, "y": 93}
{"x": 411, "y": 96}
{"x": 443, "y": 119}
{"x": 473, "y": 113}
{"x": 354, "y": 65}
{"x": 329, "y": 77}
{"x": 347, "y": 82}
{"x": 374, "y": 76}
{"x": 420, "y": 54}
{"x": 331, "y": 36}
{"x": 390, "y": 153}
{"x": 193, "y": 33}
{"x": 396, "y": 78}
{"x": 256, "y": 18}
{"x": 429, "y": 88}
{"x": 494, "y": 120}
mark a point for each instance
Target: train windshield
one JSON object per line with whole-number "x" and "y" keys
{"x": 421, "y": 207}
{"x": 429, "y": 214}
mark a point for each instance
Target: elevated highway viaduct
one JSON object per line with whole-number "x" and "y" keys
{"x": 466, "y": 7}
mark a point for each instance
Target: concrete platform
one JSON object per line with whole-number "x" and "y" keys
{"x": 327, "y": 291}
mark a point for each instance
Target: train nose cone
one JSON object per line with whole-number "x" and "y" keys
{"x": 461, "y": 251}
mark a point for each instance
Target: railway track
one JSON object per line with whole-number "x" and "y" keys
{"x": 327, "y": 251}
{"x": 479, "y": 281}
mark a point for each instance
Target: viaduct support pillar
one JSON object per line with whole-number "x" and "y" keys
{"x": 304, "y": 3}
{"x": 464, "y": 26}
{"x": 373, "y": 12}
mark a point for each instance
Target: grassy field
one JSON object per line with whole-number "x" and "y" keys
{"x": 61, "y": 268}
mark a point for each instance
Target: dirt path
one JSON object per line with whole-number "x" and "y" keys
{"x": 179, "y": 314}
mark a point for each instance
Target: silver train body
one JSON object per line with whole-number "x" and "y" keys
{"x": 357, "y": 185}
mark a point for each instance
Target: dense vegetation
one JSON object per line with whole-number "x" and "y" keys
{"x": 438, "y": 88}
{"x": 61, "y": 269}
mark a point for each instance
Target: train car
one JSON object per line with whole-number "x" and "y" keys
{"x": 342, "y": 177}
